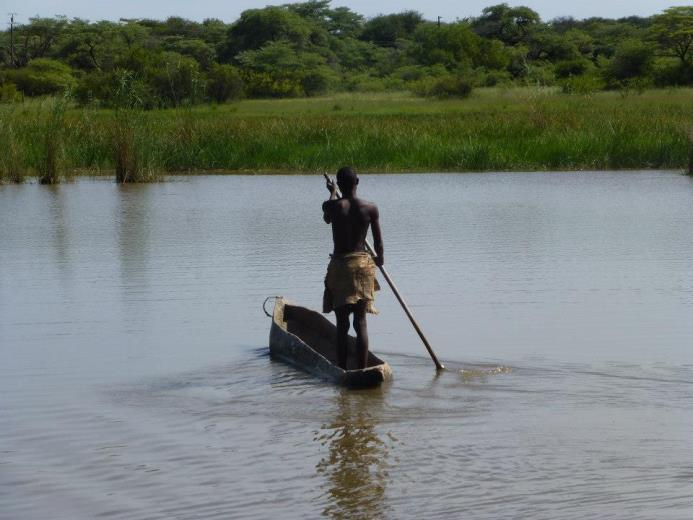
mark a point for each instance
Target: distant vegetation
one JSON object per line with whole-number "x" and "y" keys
{"x": 501, "y": 91}
{"x": 311, "y": 48}
{"x": 495, "y": 129}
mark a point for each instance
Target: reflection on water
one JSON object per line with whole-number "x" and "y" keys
{"x": 60, "y": 235}
{"x": 357, "y": 461}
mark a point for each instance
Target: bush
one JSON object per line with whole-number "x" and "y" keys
{"x": 102, "y": 88}
{"x": 9, "y": 93}
{"x": 178, "y": 80}
{"x": 96, "y": 87}
{"x": 588, "y": 84}
{"x": 365, "y": 83}
{"x": 419, "y": 72}
{"x": 566, "y": 69}
{"x": 42, "y": 76}
{"x": 224, "y": 83}
{"x": 317, "y": 81}
{"x": 669, "y": 72}
{"x": 446, "y": 87}
{"x": 633, "y": 59}
{"x": 263, "y": 85}
{"x": 541, "y": 75}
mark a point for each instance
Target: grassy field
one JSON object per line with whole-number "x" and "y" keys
{"x": 493, "y": 130}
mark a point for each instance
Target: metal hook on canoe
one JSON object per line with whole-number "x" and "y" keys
{"x": 264, "y": 304}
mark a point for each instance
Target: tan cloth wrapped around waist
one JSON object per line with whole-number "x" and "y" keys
{"x": 350, "y": 278}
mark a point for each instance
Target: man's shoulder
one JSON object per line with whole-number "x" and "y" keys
{"x": 332, "y": 203}
{"x": 369, "y": 206}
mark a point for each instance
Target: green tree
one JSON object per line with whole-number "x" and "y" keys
{"x": 197, "y": 49}
{"x": 36, "y": 39}
{"x": 673, "y": 29}
{"x": 258, "y": 27}
{"x": 633, "y": 59}
{"x": 511, "y": 25}
{"x": 176, "y": 79}
{"x": 42, "y": 76}
{"x": 450, "y": 45}
{"x": 386, "y": 30}
{"x": 279, "y": 70}
{"x": 224, "y": 83}
{"x": 341, "y": 21}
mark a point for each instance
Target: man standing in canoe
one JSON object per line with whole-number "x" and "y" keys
{"x": 350, "y": 282}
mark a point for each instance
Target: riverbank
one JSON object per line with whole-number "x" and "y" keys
{"x": 494, "y": 130}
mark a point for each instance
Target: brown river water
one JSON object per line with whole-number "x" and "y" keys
{"x": 135, "y": 381}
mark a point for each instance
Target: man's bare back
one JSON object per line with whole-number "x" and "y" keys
{"x": 350, "y": 218}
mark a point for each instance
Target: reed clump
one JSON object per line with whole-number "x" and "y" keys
{"x": 132, "y": 160}
{"x": 132, "y": 157}
{"x": 12, "y": 168}
{"x": 52, "y": 167}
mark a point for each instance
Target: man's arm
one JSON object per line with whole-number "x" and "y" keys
{"x": 377, "y": 237}
{"x": 332, "y": 188}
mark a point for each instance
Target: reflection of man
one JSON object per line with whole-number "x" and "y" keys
{"x": 356, "y": 465}
{"x": 350, "y": 282}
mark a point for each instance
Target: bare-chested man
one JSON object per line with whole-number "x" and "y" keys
{"x": 350, "y": 283}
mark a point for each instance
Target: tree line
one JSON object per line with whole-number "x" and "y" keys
{"x": 310, "y": 48}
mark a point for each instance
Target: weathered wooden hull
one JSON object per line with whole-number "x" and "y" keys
{"x": 307, "y": 340}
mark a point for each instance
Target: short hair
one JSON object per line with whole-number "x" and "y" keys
{"x": 347, "y": 178}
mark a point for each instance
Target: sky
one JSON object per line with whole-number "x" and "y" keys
{"x": 229, "y": 10}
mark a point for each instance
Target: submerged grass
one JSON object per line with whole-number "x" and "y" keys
{"x": 494, "y": 130}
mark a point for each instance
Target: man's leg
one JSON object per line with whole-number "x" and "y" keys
{"x": 342, "y": 314}
{"x": 361, "y": 328}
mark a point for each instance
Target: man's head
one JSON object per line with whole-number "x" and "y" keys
{"x": 347, "y": 180}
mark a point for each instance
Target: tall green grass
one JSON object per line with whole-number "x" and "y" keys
{"x": 11, "y": 153}
{"x": 132, "y": 155}
{"x": 494, "y": 130}
{"x": 53, "y": 126}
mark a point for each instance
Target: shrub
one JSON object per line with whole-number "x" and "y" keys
{"x": 419, "y": 72}
{"x": 263, "y": 84}
{"x": 446, "y": 87}
{"x": 9, "y": 93}
{"x": 224, "y": 83}
{"x": 176, "y": 80}
{"x": 42, "y": 76}
{"x": 102, "y": 88}
{"x": 668, "y": 72}
{"x": 365, "y": 83}
{"x": 565, "y": 69}
{"x": 540, "y": 75}
{"x": 317, "y": 81}
{"x": 587, "y": 84}
{"x": 633, "y": 59}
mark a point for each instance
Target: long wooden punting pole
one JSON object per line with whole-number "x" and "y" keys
{"x": 407, "y": 311}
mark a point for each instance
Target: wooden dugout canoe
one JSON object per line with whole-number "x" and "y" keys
{"x": 307, "y": 340}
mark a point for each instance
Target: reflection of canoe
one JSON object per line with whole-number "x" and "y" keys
{"x": 307, "y": 340}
